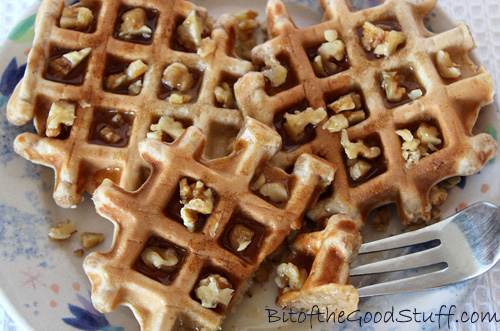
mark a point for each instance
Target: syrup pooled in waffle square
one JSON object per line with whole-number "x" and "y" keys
{"x": 104, "y": 75}
{"x": 389, "y": 103}
{"x": 188, "y": 240}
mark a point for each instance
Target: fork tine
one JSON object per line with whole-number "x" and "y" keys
{"x": 410, "y": 238}
{"x": 408, "y": 261}
{"x": 415, "y": 283}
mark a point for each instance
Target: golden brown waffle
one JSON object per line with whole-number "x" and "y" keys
{"x": 82, "y": 161}
{"x": 147, "y": 218}
{"x": 326, "y": 256}
{"x": 452, "y": 105}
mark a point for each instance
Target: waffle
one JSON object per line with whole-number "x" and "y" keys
{"x": 325, "y": 256}
{"x": 403, "y": 77}
{"x": 76, "y": 147}
{"x": 149, "y": 217}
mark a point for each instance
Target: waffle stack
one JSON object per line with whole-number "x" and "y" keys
{"x": 171, "y": 300}
{"x": 355, "y": 64}
{"x": 81, "y": 154}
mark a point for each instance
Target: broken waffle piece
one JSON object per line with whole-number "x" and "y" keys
{"x": 218, "y": 259}
{"x": 326, "y": 284}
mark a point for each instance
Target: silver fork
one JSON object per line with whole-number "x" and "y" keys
{"x": 468, "y": 245}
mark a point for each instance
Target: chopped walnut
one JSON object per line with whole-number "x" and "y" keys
{"x": 381, "y": 219}
{"x": 197, "y": 199}
{"x": 289, "y": 277}
{"x": 159, "y": 258}
{"x": 332, "y": 49}
{"x": 134, "y": 24}
{"x": 446, "y": 67}
{"x": 166, "y": 125}
{"x": 336, "y": 123}
{"x": 240, "y": 237}
{"x": 450, "y": 182}
{"x": 379, "y": 41}
{"x": 177, "y": 98}
{"x": 296, "y": 123}
{"x": 414, "y": 148}
{"x": 355, "y": 116}
{"x": 275, "y": 191}
{"x": 63, "y": 231}
{"x": 415, "y": 94}
{"x": 351, "y": 101}
{"x": 358, "y": 168}
{"x": 390, "y": 84}
{"x": 91, "y": 239}
{"x": 78, "y": 252}
{"x": 224, "y": 95}
{"x": 109, "y": 135}
{"x": 207, "y": 47}
{"x": 177, "y": 76}
{"x": 214, "y": 290}
{"x": 348, "y": 112}
{"x": 130, "y": 76}
{"x": 359, "y": 148}
{"x": 63, "y": 65}
{"x": 276, "y": 72}
{"x": 247, "y": 25}
{"x": 190, "y": 32}
{"x": 61, "y": 113}
{"x": 437, "y": 195}
{"x": 76, "y": 18}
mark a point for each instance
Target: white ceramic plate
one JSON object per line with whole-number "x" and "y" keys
{"x": 43, "y": 285}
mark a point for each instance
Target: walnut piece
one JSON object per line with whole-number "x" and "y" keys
{"x": 414, "y": 148}
{"x": 91, "y": 239}
{"x": 159, "y": 258}
{"x": 190, "y": 32}
{"x": 65, "y": 64}
{"x": 247, "y": 26}
{"x": 332, "y": 49}
{"x": 166, "y": 125}
{"x": 289, "y": 277}
{"x": 61, "y": 112}
{"x": 347, "y": 111}
{"x": 390, "y": 84}
{"x": 336, "y": 123}
{"x": 177, "y": 76}
{"x": 359, "y": 148}
{"x": 446, "y": 67}
{"x": 213, "y": 290}
{"x": 275, "y": 191}
{"x": 380, "y": 41}
{"x": 276, "y": 72}
{"x": 437, "y": 195}
{"x": 197, "y": 199}
{"x": 224, "y": 95}
{"x": 63, "y": 231}
{"x": 358, "y": 168}
{"x": 351, "y": 101}
{"x": 240, "y": 237}
{"x": 381, "y": 219}
{"x": 130, "y": 76}
{"x": 296, "y": 123}
{"x": 76, "y": 18}
{"x": 109, "y": 135}
{"x": 134, "y": 24}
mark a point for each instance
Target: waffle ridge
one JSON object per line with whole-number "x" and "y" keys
{"x": 452, "y": 105}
